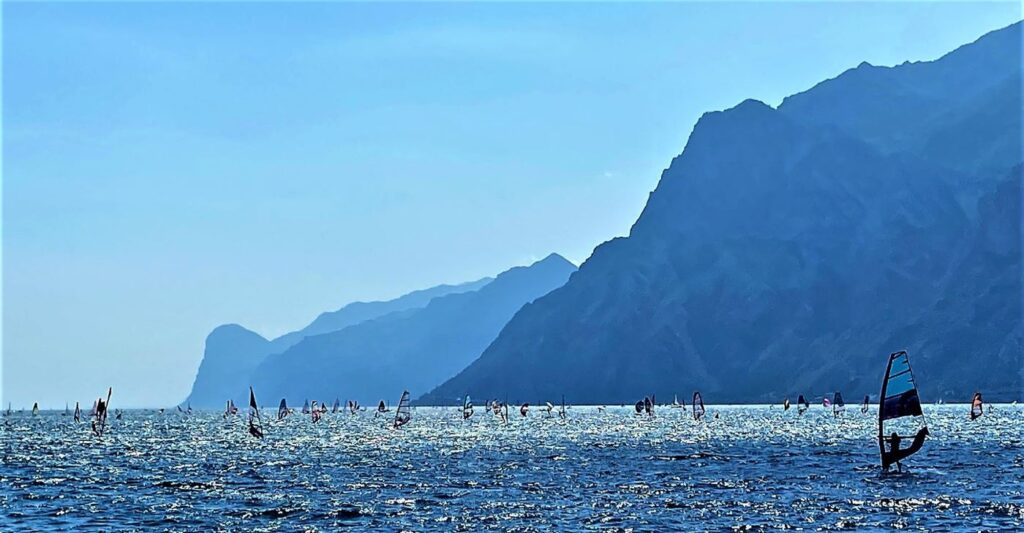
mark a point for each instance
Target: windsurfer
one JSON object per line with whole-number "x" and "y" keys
{"x": 894, "y": 448}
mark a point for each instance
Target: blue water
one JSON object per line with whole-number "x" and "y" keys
{"x": 752, "y": 468}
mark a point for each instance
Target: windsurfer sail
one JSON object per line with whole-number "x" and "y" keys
{"x": 550, "y": 407}
{"x": 864, "y": 406}
{"x": 305, "y": 408}
{"x": 802, "y": 405}
{"x": 382, "y": 407}
{"x": 282, "y": 410}
{"x": 255, "y": 422}
{"x": 35, "y": 409}
{"x": 838, "y": 406}
{"x": 78, "y": 413}
{"x": 899, "y": 406}
{"x": 336, "y": 406}
{"x": 99, "y": 422}
{"x": 524, "y": 409}
{"x": 785, "y": 405}
{"x": 977, "y": 408}
{"x": 698, "y": 406}
{"x": 314, "y": 413}
{"x": 467, "y": 408}
{"x": 404, "y": 413}
{"x": 561, "y": 412}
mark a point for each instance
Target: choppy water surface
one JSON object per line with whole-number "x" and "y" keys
{"x": 752, "y": 468}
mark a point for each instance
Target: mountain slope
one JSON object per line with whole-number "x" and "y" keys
{"x": 412, "y": 351}
{"x": 233, "y": 352}
{"x": 789, "y": 251}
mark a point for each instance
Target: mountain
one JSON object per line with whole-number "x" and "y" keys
{"x": 790, "y": 250}
{"x": 412, "y": 351}
{"x": 233, "y": 352}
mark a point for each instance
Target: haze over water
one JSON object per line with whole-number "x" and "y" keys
{"x": 754, "y": 467}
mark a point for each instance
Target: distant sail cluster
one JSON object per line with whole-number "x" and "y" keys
{"x": 900, "y": 414}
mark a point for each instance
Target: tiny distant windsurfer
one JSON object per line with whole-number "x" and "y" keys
{"x": 100, "y": 418}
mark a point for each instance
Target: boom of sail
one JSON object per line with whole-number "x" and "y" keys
{"x": 899, "y": 408}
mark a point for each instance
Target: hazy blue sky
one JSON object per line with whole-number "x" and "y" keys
{"x": 172, "y": 167}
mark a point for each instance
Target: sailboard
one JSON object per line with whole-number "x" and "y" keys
{"x": 78, "y": 413}
{"x": 977, "y": 408}
{"x": 838, "y": 405}
{"x": 282, "y": 410}
{"x": 899, "y": 409}
{"x": 467, "y": 408}
{"x": 305, "y": 408}
{"x": 698, "y": 406}
{"x": 864, "y": 406}
{"x": 404, "y": 413}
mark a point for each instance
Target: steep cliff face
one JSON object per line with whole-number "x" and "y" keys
{"x": 789, "y": 251}
{"x": 233, "y": 352}
{"x": 414, "y": 350}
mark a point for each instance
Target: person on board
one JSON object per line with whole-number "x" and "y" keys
{"x": 894, "y": 448}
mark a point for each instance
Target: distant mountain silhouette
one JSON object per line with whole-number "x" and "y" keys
{"x": 790, "y": 250}
{"x": 233, "y": 352}
{"x": 414, "y": 350}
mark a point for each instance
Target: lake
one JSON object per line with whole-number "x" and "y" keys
{"x": 753, "y": 467}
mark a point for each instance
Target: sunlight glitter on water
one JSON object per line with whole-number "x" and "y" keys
{"x": 752, "y": 467}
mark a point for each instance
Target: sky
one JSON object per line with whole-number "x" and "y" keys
{"x": 170, "y": 167}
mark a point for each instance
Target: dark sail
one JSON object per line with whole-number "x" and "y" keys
{"x": 977, "y": 408}
{"x": 282, "y": 409}
{"x": 255, "y": 422}
{"x": 899, "y": 400}
{"x": 404, "y": 413}
{"x": 467, "y": 408}
{"x": 864, "y": 406}
{"x": 838, "y": 406}
{"x": 698, "y": 406}
{"x": 802, "y": 405}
